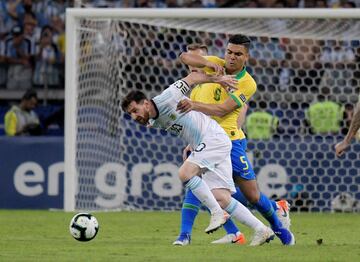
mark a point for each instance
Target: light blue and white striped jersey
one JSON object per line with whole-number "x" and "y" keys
{"x": 191, "y": 126}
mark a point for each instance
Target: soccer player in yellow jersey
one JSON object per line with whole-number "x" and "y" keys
{"x": 191, "y": 204}
{"x": 224, "y": 105}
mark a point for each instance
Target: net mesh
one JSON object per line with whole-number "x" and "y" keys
{"x": 295, "y": 62}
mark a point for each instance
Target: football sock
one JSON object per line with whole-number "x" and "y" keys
{"x": 201, "y": 190}
{"x": 239, "y": 196}
{"x": 230, "y": 227}
{"x": 273, "y": 203}
{"x": 241, "y": 213}
{"x": 265, "y": 207}
{"x": 189, "y": 211}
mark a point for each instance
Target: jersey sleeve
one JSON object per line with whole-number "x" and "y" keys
{"x": 215, "y": 60}
{"x": 173, "y": 94}
{"x": 244, "y": 92}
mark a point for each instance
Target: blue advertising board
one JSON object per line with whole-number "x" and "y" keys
{"x": 304, "y": 170}
{"x": 32, "y": 172}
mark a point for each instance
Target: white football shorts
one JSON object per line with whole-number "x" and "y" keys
{"x": 212, "y": 155}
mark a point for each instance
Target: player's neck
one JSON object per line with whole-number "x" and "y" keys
{"x": 153, "y": 110}
{"x": 235, "y": 72}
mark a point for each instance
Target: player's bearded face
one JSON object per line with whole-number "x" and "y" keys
{"x": 235, "y": 58}
{"x": 139, "y": 112}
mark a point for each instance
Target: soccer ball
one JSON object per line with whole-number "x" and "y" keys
{"x": 84, "y": 227}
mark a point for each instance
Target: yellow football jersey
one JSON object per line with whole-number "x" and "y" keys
{"x": 211, "y": 93}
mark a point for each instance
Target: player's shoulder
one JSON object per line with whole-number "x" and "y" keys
{"x": 215, "y": 59}
{"x": 247, "y": 80}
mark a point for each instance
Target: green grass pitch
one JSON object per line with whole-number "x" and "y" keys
{"x": 147, "y": 236}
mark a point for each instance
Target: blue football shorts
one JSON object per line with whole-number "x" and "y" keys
{"x": 240, "y": 163}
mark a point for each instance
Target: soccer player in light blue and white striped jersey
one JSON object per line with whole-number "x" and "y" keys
{"x": 211, "y": 150}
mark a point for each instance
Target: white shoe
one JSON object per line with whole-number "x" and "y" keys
{"x": 262, "y": 236}
{"x": 292, "y": 240}
{"x": 283, "y": 213}
{"x": 182, "y": 240}
{"x": 237, "y": 238}
{"x": 216, "y": 221}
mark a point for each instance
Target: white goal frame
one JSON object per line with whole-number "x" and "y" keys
{"x": 72, "y": 19}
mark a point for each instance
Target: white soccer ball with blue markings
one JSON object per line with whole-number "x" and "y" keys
{"x": 84, "y": 227}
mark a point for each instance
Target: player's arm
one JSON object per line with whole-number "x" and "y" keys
{"x": 178, "y": 90}
{"x": 236, "y": 100}
{"x": 196, "y": 78}
{"x": 219, "y": 110}
{"x": 354, "y": 127}
{"x": 213, "y": 63}
{"x": 355, "y": 124}
{"x": 242, "y": 116}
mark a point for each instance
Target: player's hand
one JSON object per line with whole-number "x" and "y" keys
{"x": 341, "y": 147}
{"x": 186, "y": 152}
{"x": 218, "y": 69}
{"x": 228, "y": 81}
{"x": 185, "y": 105}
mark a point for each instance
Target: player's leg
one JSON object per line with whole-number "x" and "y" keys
{"x": 233, "y": 233}
{"x": 281, "y": 207}
{"x": 244, "y": 177}
{"x": 189, "y": 211}
{"x": 189, "y": 174}
{"x": 264, "y": 206}
{"x": 221, "y": 184}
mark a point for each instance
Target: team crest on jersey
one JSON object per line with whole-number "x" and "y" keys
{"x": 172, "y": 117}
{"x": 242, "y": 97}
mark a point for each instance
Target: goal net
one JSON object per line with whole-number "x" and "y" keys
{"x": 299, "y": 59}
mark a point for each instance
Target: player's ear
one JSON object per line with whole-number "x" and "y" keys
{"x": 146, "y": 103}
{"x": 247, "y": 55}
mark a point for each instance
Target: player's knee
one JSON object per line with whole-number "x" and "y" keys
{"x": 182, "y": 175}
{"x": 185, "y": 175}
{"x": 187, "y": 171}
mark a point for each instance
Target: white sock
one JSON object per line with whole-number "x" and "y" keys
{"x": 201, "y": 190}
{"x": 241, "y": 213}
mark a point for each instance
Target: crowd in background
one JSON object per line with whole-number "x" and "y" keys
{"x": 32, "y": 35}
{"x": 32, "y": 43}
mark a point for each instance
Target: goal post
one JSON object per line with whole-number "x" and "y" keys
{"x": 297, "y": 55}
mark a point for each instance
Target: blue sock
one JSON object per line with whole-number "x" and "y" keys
{"x": 273, "y": 203}
{"x": 189, "y": 211}
{"x": 239, "y": 196}
{"x": 230, "y": 227}
{"x": 265, "y": 207}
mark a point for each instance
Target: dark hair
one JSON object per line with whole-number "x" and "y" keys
{"x": 136, "y": 96}
{"x": 44, "y": 30}
{"x": 30, "y": 13}
{"x": 196, "y": 47}
{"x": 240, "y": 40}
{"x": 29, "y": 94}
